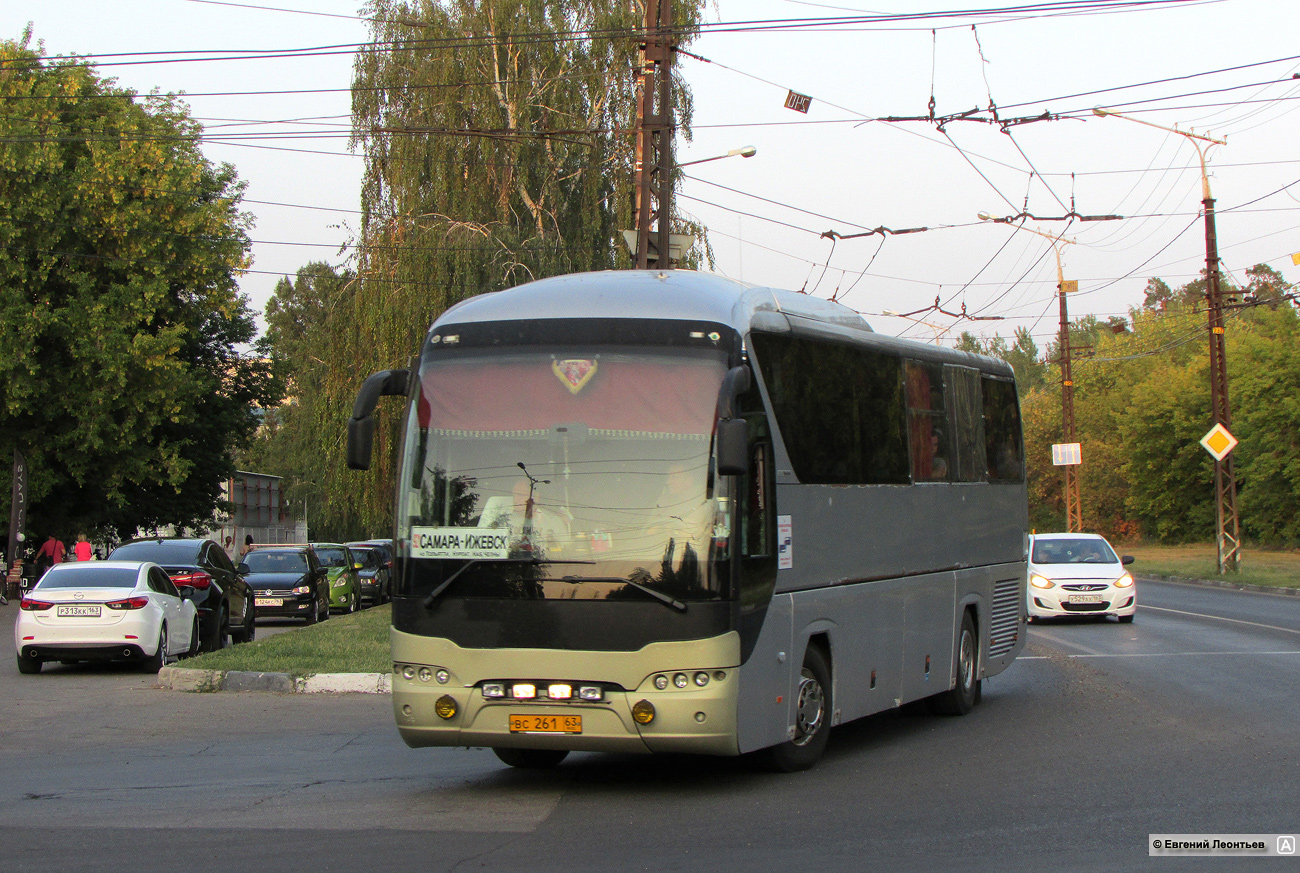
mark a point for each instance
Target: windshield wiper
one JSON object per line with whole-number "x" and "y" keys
{"x": 666, "y": 599}
{"x": 433, "y": 595}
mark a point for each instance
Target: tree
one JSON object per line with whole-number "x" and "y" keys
{"x": 120, "y": 376}
{"x": 498, "y": 148}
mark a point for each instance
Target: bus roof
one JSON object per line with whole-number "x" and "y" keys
{"x": 689, "y": 296}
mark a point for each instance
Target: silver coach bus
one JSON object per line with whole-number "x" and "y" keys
{"x": 663, "y": 511}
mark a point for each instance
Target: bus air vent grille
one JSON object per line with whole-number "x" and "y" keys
{"x": 1005, "y": 621}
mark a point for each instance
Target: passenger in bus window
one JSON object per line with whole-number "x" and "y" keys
{"x": 522, "y": 513}
{"x": 938, "y": 464}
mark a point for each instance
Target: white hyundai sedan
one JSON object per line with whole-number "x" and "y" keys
{"x": 105, "y": 611}
{"x": 1079, "y": 574}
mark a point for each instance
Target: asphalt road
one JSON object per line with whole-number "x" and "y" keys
{"x": 1186, "y": 721}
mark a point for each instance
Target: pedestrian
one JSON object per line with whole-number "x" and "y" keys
{"x": 230, "y": 545}
{"x": 248, "y": 546}
{"x": 50, "y": 553}
{"x": 82, "y": 548}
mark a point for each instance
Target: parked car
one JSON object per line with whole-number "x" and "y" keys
{"x": 106, "y": 611}
{"x": 385, "y": 548}
{"x": 1078, "y": 574}
{"x": 288, "y": 582}
{"x": 374, "y": 572}
{"x": 341, "y": 566}
{"x": 223, "y": 598}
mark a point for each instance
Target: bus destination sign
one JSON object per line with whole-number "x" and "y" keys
{"x": 460, "y": 543}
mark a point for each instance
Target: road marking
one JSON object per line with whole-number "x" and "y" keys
{"x": 1221, "y": 618}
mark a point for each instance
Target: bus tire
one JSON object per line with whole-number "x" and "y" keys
{"x": 531, "y": 759}
{"x": 812, "y": 718}
{"x": 963, "y": 696}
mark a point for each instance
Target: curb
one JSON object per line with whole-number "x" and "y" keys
{"x": 207, "y": 681}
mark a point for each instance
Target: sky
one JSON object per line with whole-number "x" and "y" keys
{"x": 1222, "y": 68}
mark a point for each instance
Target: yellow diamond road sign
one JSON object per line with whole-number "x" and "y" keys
{"x": 1218, "y": 442}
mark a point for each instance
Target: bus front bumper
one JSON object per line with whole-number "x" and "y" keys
{"x": 698, "y": 718}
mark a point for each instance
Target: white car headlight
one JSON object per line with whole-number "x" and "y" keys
{"x": 1043, "y": 582}
{"x": 1125, "y": 581}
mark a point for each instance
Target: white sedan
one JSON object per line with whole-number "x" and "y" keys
{"x": 1079, "y": 574}
{"x": 105, "y": 611}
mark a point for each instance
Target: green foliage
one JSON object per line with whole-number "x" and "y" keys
{"x": 119, "y": 372}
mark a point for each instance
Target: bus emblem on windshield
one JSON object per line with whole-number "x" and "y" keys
{"x": 574, "y": 373}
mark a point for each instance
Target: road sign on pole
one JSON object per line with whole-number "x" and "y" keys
{"x": 1066, "y": 454}
{"x": 1219, "y": 442}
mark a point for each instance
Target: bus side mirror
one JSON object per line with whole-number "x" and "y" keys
{"x": 361, "y": 427}
{"x": 733, "y": 447}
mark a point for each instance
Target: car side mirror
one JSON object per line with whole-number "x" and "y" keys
{"x": 356, "y": 566}
{"x": 1127, "y": 559}
{"x": 243, "y": 569}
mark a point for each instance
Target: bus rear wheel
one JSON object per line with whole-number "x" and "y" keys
{"x": 812, "y": 726}
{"x": 963, "y": 696}
{"x": 531, "y": 759}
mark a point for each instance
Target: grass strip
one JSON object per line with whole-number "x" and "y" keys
{"x": 1272, "y": 568}
{"x": 356, "y": 643}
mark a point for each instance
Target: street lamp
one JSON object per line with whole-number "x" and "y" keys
{"x": 743, "y": 151}
{"x": 639, "y": 240}
{"x": 1225, "y": 478}
{"x": 1073, "y": 502}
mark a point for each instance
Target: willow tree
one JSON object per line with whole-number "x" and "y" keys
{"x": 498, "y": 144}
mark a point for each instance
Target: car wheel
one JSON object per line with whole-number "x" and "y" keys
{"x": 812, "y": 726}
{"x": 195, "y": 639}
{"x": 313, "y": 616}
{"x": 28, "y": 666}
{"x": 962, "y": 698}
{"x": 248, "y": 629}
{"x": 1125, "y": 619}
{"x": 353, "y": 602}
{"x": 158, "y": 660}
{"x": 531, "y": 759}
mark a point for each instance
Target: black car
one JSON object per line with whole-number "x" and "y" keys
{"x": 373, "y": 573}
{"x": 223, "y": 597}
{"x": 288, "y": 582}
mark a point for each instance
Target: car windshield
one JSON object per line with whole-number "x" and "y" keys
{"x": 332, "y": 557}
{"x": 99, "y": 577}
{"x": 275, "y": 562}
{"x": 164, "y": 552}
{"x": 1082, "y": 550}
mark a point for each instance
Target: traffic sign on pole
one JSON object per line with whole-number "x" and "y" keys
{"x": 1219, "y": 442}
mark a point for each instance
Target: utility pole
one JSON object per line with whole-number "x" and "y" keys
{"x": 1228, "y": 526}
{"x": 654, "y": 144}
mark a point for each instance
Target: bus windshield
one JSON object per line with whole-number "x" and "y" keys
{"x": 583, "y": 475}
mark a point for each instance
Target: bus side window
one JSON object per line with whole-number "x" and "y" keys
{"x": 1003, "y": 445}
{"x": 965, "y": 423}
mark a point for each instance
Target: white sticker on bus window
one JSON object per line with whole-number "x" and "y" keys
{"x": 784, "y": 543}
{"x": 460, "y": 543}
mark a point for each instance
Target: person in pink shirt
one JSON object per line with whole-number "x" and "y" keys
{"x": 82, "y": 548}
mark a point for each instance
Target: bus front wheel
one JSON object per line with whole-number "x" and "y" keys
{"x": 531, "y": 759}
{"x": 963, "y": 696}
{"x": 812, "y": 726}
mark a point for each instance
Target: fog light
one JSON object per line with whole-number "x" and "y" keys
{"x": 425, "y": 674}
{"x": 559, "y": 691}
{"x": 523, "y": 691}
{"x": 408, "y": 672}
{"x": 701, "y": 678}
{"x": 643, "y": 712}
{"x": 443, "y": 676}
{"x": 680, "y": 680}
{"x": 445, "y": 707}
{"x": 661, "y": 682}
{"x": 591, "y": 692}
{"x": 494, "y": 689}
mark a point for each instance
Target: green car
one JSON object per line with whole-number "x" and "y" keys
{"x": 345, "y": 584}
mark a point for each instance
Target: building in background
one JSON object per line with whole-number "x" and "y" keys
{"x": 258, "y": 508}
